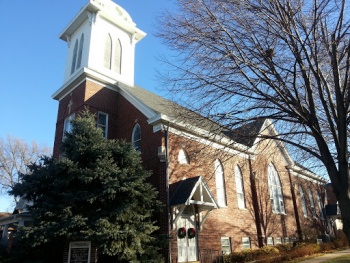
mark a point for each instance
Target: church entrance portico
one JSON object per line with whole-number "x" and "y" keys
{"x": 191, "y": 204}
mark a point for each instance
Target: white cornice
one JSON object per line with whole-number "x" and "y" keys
{"x": 306, "y": 175}
{"x": 80, "y": 76}
{"x": 232, "y": 147}
{"x": 158, "y": 121}
{"x": 106, "y": 9}
{"x": 103, "y": 80}
{"x": 70, "y": 85}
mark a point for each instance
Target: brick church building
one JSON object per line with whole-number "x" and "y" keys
{"x": 224, "y": 190}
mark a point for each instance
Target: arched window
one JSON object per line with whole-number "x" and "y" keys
{"x": 275, "y": 190}
{"x": 112, "y": 54}
{"x": 303, "y": 201}
{"x": 220, "y": 183}
{"x": 183, "y": 157}
{"x": 312, "y": 203}
{"x": 239, "y": 187}
{"x": 136, "y": 137}
{"x": 80, "y": 53}
{"x": 107, "y": 63}
{"x": 117, "y": 56}
{"x": 318, "y": 200}
{"x": 74, "y": 61}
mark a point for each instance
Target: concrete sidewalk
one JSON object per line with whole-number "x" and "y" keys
{"x": 328, "y": 256}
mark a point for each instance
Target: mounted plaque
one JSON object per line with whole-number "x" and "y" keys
{"x": 79, "y": 252}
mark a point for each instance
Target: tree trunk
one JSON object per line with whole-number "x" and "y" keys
{"x": 342, "y": 193}
{"x": 344, "y": 201}
{"x": 255, "y": 203}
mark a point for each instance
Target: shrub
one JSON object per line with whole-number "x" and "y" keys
{"x": 282, "y": 253}
{"x": 284, "y": 247}
{"x": 234, "y": 257}
{"x": 5, "y": 257}
{"x": 327, "y": 246}
{"x": 251, "y": 255}
{"x": 307, "y": 249}
{"x": 269, "y": 250}
{"x": 301, "y": 251}
{"x": 340, "y": 242}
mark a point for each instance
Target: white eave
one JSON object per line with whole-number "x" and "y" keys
{"x": 306, "y": 174}
{"x": 164, "y": 122}
{"x": 78, "y": 77}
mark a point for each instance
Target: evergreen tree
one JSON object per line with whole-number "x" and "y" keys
{"x": 97, "y": 192}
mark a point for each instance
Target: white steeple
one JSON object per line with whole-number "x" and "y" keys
{"x": 101, "y": 42}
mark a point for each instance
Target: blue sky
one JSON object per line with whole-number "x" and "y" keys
{"x": 33, "y": 59}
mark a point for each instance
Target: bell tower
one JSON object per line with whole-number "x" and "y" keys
{"x": 101, "y": 41}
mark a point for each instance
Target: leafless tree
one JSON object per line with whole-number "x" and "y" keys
{"x": 15, "y": 155}
{"x": 286, "y": 60}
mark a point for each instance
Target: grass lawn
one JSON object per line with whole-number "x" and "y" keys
{"x": 341, "y": 259}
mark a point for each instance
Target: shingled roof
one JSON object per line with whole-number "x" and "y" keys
{"x": 192, "y": 191}
{"x": 247, "y": 133}
{"x": 244, "y": 135}
{"x": 183, "y": 190}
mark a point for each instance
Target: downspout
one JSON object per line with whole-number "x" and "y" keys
{"x": 255, "y": 203}
{"x": 296, "y": 213}
{"x": 167, "y": 187}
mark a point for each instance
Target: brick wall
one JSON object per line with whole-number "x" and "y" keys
{"x": 311, "y": 226}
{"x": 228, "y": 221}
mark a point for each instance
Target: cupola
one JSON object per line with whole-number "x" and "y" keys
{"x": 101, "y": 42}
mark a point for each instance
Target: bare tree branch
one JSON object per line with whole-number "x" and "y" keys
{"x": 285, "y": 60}
{"x": 15, "y": 156}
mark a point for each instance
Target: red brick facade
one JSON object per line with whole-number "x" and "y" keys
{"x": 256, "y": 221}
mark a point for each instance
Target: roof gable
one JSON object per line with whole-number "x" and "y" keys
{"x": 193, "y": 191}
{"x": 162, "y": 108}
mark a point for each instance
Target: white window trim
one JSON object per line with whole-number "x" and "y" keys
{"x": 107, "y": 56}
{"x": 318, "y": 200}
{"x": 67, "y": 125}
{"x": 220, "y": 184}
{"x": 113, "y": 51}
{"x": 182, "y": 157}
{"x": 269, "y": 241}
{"x": 246, "y": 244}
{"x": 117, "y": 56}
{"x": 79, "y": 245}
{"x": 312, "y": 203}
{"x": 132, "y": 137}
{"x": 303, "y": 201}
{"x": 75, "y": 55}
{"x": 239, "y": 188}
{"x": 275, "y": 189}
{"x": 103, "y": 127}
{"x": 278, "y": 240}
{"x": 80, "y": 51}
{"x": 228, "y": 245}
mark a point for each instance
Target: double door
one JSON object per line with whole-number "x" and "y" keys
{"x": 187, "y": 246}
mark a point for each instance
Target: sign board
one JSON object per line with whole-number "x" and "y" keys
{"x": 79, "y": 252}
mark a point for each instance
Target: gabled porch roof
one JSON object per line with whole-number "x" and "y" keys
{"x": 192, "y": 191}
